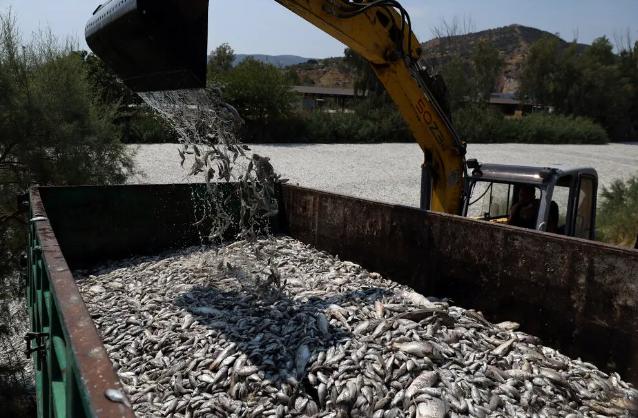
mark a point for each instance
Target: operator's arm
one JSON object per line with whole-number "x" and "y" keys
{"x": 380, "y": 32}
{"x": 516, "y": 208}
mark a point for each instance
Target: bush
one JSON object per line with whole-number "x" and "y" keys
{"x": 478, "y": 125}
{"x": 145, "y": 127}
{"x": 557, "y": 129}
{"x": 291, "y": 128}
{"x": 372, "y": 121}
{"x": 335, "y": 127}
{"x": 617, "y": 219}
{"x": 375, "y": 120}
{"x": 482, "y": 125}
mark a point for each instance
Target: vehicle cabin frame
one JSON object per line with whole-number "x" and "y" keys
{"x": 581, "y": 183}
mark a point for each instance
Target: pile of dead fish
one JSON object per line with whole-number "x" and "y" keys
{"x": 275, "y": 328}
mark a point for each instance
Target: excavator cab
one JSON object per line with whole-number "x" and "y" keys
{"x": 563, "y": 198}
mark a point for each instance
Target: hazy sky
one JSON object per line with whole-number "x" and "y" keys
{"x": 265, "y": 27}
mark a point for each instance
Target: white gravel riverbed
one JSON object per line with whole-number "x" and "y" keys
{"x": 391, "y": 172}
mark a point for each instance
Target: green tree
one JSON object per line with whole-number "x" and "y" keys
{"x": 602, "y": 92}
{"x": 260, "y": 92}
{"x": 538, "y": 82}
{"x": 552, "y": 75}
{"x": 487, "y": 63}
{"x": 595, "y": 83}
{"x": 458, "y": 75}
{"x": 470, "y": 81}
{"x": 365, "y": 79}
{"x": 105, "y": 87}
{"x": 220, "y": 60}
{"x": 617, "y": 219}
{"x": 628, "y": 67}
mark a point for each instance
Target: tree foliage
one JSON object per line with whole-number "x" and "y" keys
{"x": 374, "y": 120}
{"x": 53, "y": 132}
{"x": 457, "y": 75}
{"x": 617, "y": 219}
{"x": 486, "y": 64}
{"x": 220, "y": 60}
{"x": 553, "y": 73}
{"x": 596, "y": 83}
{"x": 365, "y": 79}
{"x": 260, "y": 92}
{"x": 104, "y": 85}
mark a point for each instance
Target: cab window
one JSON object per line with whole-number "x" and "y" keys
{"x": 560, "y": 198}
{"x": 584, "y": 208}
{"x": 490, "y": 201}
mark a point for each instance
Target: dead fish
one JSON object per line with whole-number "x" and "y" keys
{"x": 115, "y": 395}
{"x": 508, "y": 326}
{"x": 322, "y": 324}
{"x": 196, "y": 340}
{"x": 222, "y": 356}
{"x": 504, "y": 348}
{"x": 301, "y": 359}
{"x": 417, "y": 299}
{"x": 431, "y": 408}
{"x": 417, "y": 348}
{"x": 206, "y": 378}
{"x": 426, "y": 379}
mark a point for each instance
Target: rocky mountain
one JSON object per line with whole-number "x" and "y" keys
{"x": 327, "y": 72}
{"x": 512, "y": 41}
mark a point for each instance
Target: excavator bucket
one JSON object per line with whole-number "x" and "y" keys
{"x": 152, "y": 45}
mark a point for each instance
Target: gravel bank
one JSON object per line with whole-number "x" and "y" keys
{"x": 391, "y": 172}
{"x": 276, "y": 328}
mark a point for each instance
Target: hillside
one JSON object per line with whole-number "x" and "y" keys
{"x": 328, "y": 72}
{"x": 512, "y": 41}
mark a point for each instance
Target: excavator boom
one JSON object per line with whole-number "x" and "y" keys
{"x": 161, "y": 45}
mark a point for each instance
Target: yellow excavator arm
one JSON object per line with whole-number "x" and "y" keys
{"x": 374, "y": 31}
{"x": 161, "y": 45}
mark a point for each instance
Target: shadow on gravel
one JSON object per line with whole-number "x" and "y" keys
{"x": 269, "y": 327}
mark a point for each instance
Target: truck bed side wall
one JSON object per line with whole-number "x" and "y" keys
{"x": 577, "y": 295}
{"x": 96, "y": 224}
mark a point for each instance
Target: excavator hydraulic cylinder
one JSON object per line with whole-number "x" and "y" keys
{"x": 152, "y": 44}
